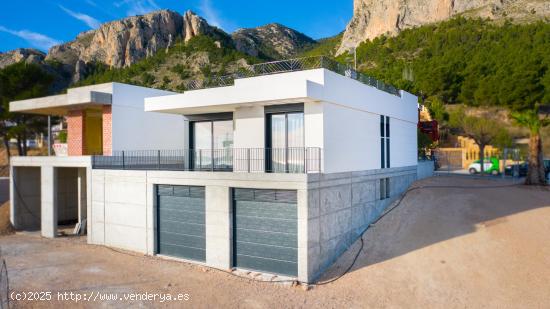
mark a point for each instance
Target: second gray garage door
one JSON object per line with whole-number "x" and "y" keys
{"x": 180, "y": 222}
{"x": 265, "y": 231}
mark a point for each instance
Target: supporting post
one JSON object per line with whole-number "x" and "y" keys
{"x": 49, "y": 135}
{"x": 82, "y": 196}
{"x": 48, "y": 197}
{"x": 123, "y": 165}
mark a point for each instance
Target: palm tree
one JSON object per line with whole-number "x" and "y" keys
{"x": 532, "y": 120}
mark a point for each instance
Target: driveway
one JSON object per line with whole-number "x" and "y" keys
{"x": 468, "y": 243}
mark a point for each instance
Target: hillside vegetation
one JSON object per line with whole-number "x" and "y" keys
{"x": 474, "y": 62}
{"x": 200, "y": 58}
{"x": 324, "y": 47}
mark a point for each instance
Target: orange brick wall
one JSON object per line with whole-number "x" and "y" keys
{"x": 107, "y": 130}
{"x": 75, "y": 133}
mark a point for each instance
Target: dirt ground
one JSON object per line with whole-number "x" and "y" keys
{"x": 441, "y": 248}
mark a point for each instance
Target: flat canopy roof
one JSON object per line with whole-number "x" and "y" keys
{"x": 76, "y": 98}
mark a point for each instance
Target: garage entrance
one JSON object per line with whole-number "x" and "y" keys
{"x": 265, "y": 230}
{"x": 181, "y": 222}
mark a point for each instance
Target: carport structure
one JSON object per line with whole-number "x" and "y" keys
{"x": 49, "y": 191}
{"x": 53, "y": 190}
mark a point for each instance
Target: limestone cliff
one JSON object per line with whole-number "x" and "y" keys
{"x": 123, "y": 42}
{"x": 372, "y": 18}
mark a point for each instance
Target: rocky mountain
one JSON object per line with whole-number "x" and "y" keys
{"x": 372, "y": 18}
{"x": 28, "y": 55}
{"x": 124, "y": 42}
{"x": 120, "y": 43}
{"x": 33, "y": 56}
{"x": 272, "y": 41}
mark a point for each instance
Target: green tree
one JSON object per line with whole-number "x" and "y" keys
{"x": 532, "y": 120}
{"x": 21, "y": 81}
{"x": 473, "y": 62}
{"x": 483, "y": 131}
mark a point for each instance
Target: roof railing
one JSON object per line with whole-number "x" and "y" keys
{"x": 290, "y": 65}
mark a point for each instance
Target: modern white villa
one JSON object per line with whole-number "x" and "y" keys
{"x": 277, "y": 169}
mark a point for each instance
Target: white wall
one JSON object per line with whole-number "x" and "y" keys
{"x": 353, "y": 94}
{"x": 135, "y": 129}
{"x": 249, "y": 127}
{"x": 403, "y": 143}
{"x": 342, "y": 115}
{"x": 351, "y": 139}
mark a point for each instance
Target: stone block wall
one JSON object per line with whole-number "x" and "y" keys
{"x": 425, "y": 169}
{"x": 341, "y": 206}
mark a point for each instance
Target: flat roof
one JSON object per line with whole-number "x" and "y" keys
{"x": 76, "y": 98}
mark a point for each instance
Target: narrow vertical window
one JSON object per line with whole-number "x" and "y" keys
{"x": 387, "y": 186}
{"x": 388, "y": 153}
{"x": 384, "y": 141}
{"x": 382, "y": 153}
{"x": 382, "y": 134}
{"x": 387, "y": 126}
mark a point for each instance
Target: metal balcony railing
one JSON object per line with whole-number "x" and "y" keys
{"x": 291, "y": 65}
{"x": 246, "y": 160}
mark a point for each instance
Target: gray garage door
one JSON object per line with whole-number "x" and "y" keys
{"x": 265, "y": 230}
{"x": 180, "y": 222}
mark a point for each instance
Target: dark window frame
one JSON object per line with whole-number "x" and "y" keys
{"x": 269, "y": 111}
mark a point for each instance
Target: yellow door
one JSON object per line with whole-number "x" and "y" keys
{"x": 94, "y": 132}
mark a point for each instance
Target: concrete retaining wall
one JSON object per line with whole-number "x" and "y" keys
{"x": 123, "y": 209}
{"x": 341, "y": 206}
{"x": 333, "y": 209}
{"x": 425, "y": 169}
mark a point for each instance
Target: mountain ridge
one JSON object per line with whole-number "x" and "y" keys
{"x": 372, "y": 18}
{"x": 122, "y": 43}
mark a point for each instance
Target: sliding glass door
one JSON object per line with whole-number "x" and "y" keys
{"x": 212, "y": 144}
{"x": 285, "y": 142}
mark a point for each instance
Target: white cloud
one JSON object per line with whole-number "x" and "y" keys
{"x": 210, "y": 14}
{"x": 137, "y": 7}
{"x": 87, "y": 19}
{"x": 37, "y": 40}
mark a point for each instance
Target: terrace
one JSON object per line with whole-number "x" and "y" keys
{"x": 294, "y": 160}
{"x": 291, "y": 65}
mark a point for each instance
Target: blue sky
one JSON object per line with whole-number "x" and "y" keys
{"x": 43, "y": 23}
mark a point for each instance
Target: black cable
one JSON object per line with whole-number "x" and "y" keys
{"x": 389, "y": 210}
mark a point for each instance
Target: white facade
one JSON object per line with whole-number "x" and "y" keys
{"x": 135, "y": 129}
{"x": 341, "y": 115}
{"x": 333, "y": 206}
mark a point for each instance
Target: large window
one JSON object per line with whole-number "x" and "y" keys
{"x": 385, "y": 141}
{"x": 211, "y": 144}
{"x": 285, "y": 140}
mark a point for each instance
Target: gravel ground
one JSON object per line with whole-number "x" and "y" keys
{"x": 441, "y": 248}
